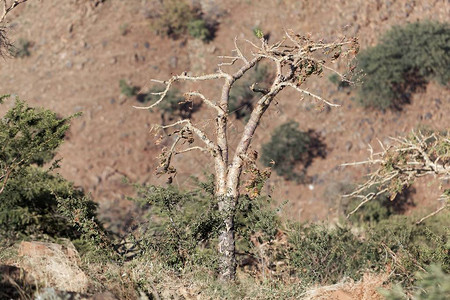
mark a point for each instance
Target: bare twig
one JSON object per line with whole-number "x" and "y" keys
{"x": 399, "y": 165}
{"x": 7, "y": 9}
{"x": 433, "y": 213}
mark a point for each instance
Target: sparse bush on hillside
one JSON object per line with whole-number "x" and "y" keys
{"x": 128, "y": 90}
{"x": 177, "y": 18}
{"x": 380, "y": 208}
{"x": 403, "y": 62}
{"x": 417, "y": 155}
{"x": 21, "y": 48}
{"x": 289, "y": 148}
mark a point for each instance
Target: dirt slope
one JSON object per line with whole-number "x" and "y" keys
{"x": 79, "y": 56}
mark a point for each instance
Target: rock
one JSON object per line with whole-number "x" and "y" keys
{"x": 10, "y": 278}
{"x": 56, "y": 265}
{"x": 428, "y": 116}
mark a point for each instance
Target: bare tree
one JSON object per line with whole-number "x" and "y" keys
{"x": 295, "y": 58}
{"x": 7, "y": 7}
{"x": 420, "y": 154}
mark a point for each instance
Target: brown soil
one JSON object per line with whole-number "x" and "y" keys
{"x": 79, "y": 55}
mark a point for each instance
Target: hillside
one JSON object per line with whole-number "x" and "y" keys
{"x": 80, "y": 52}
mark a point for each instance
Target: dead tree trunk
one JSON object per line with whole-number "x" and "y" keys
{"x": 295, "y": 59}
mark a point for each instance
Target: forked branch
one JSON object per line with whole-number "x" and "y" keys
{"x": 8, "y": 8}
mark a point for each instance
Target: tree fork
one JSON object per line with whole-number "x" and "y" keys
{"x": 296, "y": 58}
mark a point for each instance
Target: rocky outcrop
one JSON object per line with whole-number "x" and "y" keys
{"x": 56, "y": 265}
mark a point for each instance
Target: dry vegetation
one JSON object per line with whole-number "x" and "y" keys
{"x": 387, "y": 238}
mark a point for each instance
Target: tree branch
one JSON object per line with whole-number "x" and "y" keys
{"x": 7, "y": 9}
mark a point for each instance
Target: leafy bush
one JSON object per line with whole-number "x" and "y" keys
{"x": 128, "y": 90}
{"x": 32, "y": 200}
{"x": 183, "y": 226}
{"x": 404, "y": 61}
{"x": 321, "y": 255}
{"x": 432, "y": 284}
{"x": 176, "y": 18}
{"x": 289, "y": 147}
{"x": 242, "y": 97}
{"x": 336, "y": 79}
{"x": 380, "y": 208}
{"x": 199, "y": 29}
{"x": 411, "y": 247}
{"x": 325, "y": 255}
{"x": 21, "y": 49}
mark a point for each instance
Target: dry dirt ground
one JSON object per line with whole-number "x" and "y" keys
{"x": 78, "y": 56}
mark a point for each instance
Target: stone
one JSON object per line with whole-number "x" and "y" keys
{"x": 56, "y": 265}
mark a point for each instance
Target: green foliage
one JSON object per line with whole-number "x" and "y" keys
{"x": 432, "y": 284}
{"x": 380, "y": 208}
{"x": 175, "y": 225}
{"x": 258, "y": 32}
{"x": 28, "y": 204}
{"x": 409, "y": 247}
{"x": 177, "y": 18}
{"x": 34, "y": 201}
{"x": 29, "y": 136}
{"x": 183, "y": 226}
{"x": 289, "y": 147}
{"x": 128, "y": 90}
{"x": 325, "y": 255}
{"x": 337, "y": 80}
{"x": 199, "y": 29}
{"x": 21, "y": 49}
{"x": 242, "y": 98}
{"x": 405, "y": 60}
{"x": 321, "y": 255}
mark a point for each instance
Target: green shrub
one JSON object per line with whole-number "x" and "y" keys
{"x": 199, "y": 29}
{"x": 336, "y": 79}
{"x": 377, "y": 209}
{"x": 21, "y": 49}
{"x": 34, "y": 201}
{"x": 128, "y": 90}
{"x": 404, "y": 61}
{"x": 290, "y": 147}
{"x": 432, "y": 284}
{"x": 321, "y": 255}
{"x": 411, "y": 247}
{"x": 183, "y": 226}
{"x": 177, "y": 18}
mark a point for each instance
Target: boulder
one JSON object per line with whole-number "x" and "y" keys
{"x": 56, "y": 265}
